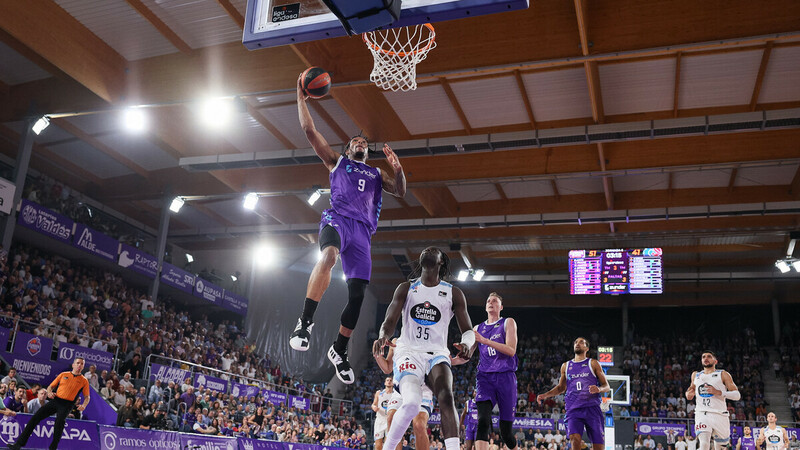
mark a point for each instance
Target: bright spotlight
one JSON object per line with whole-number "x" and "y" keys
{"x": 216, "y": 113}
{"x": 264, "y": 255}
{"x": 176, "y": 205}
{"x": 189, "y": 258}
{"x": 796, "y": 265}
{"x": 478, "y": 275}
{"x": 41, "y": 124}
{"x": 782, "y": 266}
{"x": 134, "y": 120}
{"x": 462, "y": 275}
{"x": 314, "y": 197}
{"x": 233, "y": 277}
{"x": 250, "y": 201}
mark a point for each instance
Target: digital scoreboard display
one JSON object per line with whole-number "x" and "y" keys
{"x": 615, "y": 271}
{"x": 605, "y": 356}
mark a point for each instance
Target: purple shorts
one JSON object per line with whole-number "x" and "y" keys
{"x": 356, "y": 243}
{"x": 500, "y": 388}
{"x": 589, "y": 418}
{"x": 470, "y": 432}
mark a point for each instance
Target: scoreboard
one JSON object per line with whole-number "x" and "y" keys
{"x": 615, "y": 271}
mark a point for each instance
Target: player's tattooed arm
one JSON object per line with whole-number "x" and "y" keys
{"x": 560, "y": 388}
{"x": 464, "y": 322}
{"x": 315, "y": 138}
{"x": 393, "y": 313}
{"x": 601, "y": 378}
{"x": 690, "y": 390}
{"x": 393, "y": 184}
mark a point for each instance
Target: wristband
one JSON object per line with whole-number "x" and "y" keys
{"x": 468, "y": 338}
{"x": 732, "y": 395}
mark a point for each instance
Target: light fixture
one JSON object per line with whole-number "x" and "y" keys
{"x": 314, "y": 197}
{"x": 250, "y": 201}
{"x": 783, "y": 266}
{"x": 216, "y": 113}
{"x": 41, "y": 124}
{"x": 189, "y": 258}
{"x": 134, "y": 120}
{"x": 176, "y": 205}
{"x": 264, "y": 255}
{"x": 478, "y": 274}
{"x": 233, "y": 277}
{"x": 462, "y": 275}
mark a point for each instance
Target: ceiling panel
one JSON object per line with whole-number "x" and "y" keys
{"x": 98, "y": 123}
{"x": 425, "y": 110}
{"x": 51, "y": 134}
{"x": 641, "y": 182}
{"x": 528, "y": 189}
{"x": 140, "y": 150}
{"x": 588, "y": 185}
{"x": 766, "y": 176}
{"x": 338, "y": 114}
{"x": 558, "y": 94}
{"x": 200, "y": 23}
{"x": 704, "y": 179}
{"x": 638, "y": 86}
{"x": 720, "y": 79}
{"x": 250, "y": 136}
{"x": 120, "y": 26}
{"x": 91, "y": 159}
{"x": 474, "y": 192}
{"x": 16, "y": 69}
{"x": 491, "y": 101}
{"x": 233, "y": 211}
{"x": 284, "y": 118}
{"x": 782, "y": 78}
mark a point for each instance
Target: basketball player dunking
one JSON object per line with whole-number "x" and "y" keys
{"x": 712, "y": 387}
{"x": 773, "y": 434}
{"x": 345, "y": 230}
{"x": 496, "y": 382}
{"x": 746, "y": 442}
{"x": 583, "y": 380}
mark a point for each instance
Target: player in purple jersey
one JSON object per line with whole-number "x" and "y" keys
{"x": 746, "y": 442}
{"x": 470, "y": 422}
{"x": 345, "y": 230}
{"x": 496, "y": 382}
{"x": 583, "y": 380}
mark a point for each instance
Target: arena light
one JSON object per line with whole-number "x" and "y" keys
{"x": 783, "y": 266}
{"x": 462, "y": 275}
{"x": 250, "y": 201}
{"x": 264, "y": 255}
{"x": 189, "y": 258}
{"x": 134, "y": 120}
{"x": 216, "y": 113}
{"x": 176, "y": 205}
{"x": 233, "y": 278}
{"x": 478, "y": 275}
{"x": 314, "y": 197}
{"x": 42, "y": 123}
{"x": 796, "y": 265}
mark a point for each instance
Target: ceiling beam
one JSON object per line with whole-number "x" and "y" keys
{"x": 371, "y": 112}
{"x": 554, "y": 185}
{"x": 762, "y": 69}
{"x": 732, "y": 180}
{"x": 233, "y": 12}
{"x": 272, "y": 129}
{"x": 677, "y": 92}
{"x": 160, "y": 26}
{"x": 222, "y": 220}
{"x": 794, "y": 188}
{"x": 456, "y": 106}
{"x": 437, "y": 201}
{"x": 56, "y": 36}
{"x": 525, "y": 99}
{"x": 501, "y": 192}
{"x": 70, "y": 128}
{"x": 319, "y": 109}
{"x": 608, "y": 183}
{"x": 29, "y": 54}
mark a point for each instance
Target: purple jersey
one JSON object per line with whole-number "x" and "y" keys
{"x": 472, "y": 414}
{"x": 356, "y": 191}
{"x": 491, "y": 359}
{"x": 580, "y": 376}
{"x": 747, "y": 442}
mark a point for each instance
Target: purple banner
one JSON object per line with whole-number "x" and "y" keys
{"x": 207, "y": 442}
{"x": 177, "y": 278}
{"x": 34, "y": 370}
{"x": 167, "y": 374}
{"x": 274, "y": 397}
{"x": 98, "y": 410}
{"x": 138, "y": 261}
{"x": 208, "y": 291}
{"x": 4, "y": 334}
{"x": 299, "y": 402}
{"x": 234, "y": 302}
{"x": 246, "y": 390}
{"x": 77, "y": 435}
{"x": 115, "y": 438}
{"x": 660, "y": 429}
{"x": 100, "y": 359}
{"x": 259, "y": 444}
{"x": 209, "y": 382}
{"x": 27, "y": 344}
{"x": 95, "y": 242}
{"x": 47, "y": 222}
{"x": 519, "y": 422}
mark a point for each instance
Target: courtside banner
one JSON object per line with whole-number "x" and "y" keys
{"x": 209, "y": 382}
{"x": 49, "y": 223}
{"x": 208, "y": 291}
{"x": 519, "y": 422}
{"x": 95, "y": 242}
{"x": 177, "y": 278}
{"x": 245, "y": 390}
{"x": 77, "y": 435}
{"x": 30, "y": 345}
{"x": 299, "y": 402}
{"x": 201, "y": 442}
{"x": 660, "y": 429}
{"x": 100, "y": 359}
{"x": 116, "y": 438}
{"x": 167, "y": 374}
{"x": 260, "y": 444}
{"x": 34, "y": 370}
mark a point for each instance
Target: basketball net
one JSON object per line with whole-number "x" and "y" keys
{"x": 396, "y": 53}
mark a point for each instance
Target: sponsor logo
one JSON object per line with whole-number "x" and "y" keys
{"x": 426, "y": 314}
{"x": 69, "y": 353}
{"x": 247, "y": 445}
{"x": 572, "y": 376}
{"x": 350, "y": 169}
{"x": 408, "y": 365}
{"x": 645, "y": 429}
{"x": 200, "y": 286}
{"x": 110, "y": 440}
{"x": 29, "y": 214}
{"x": 10, "y": 431}
{"x": 702, "y": 390}
{"x": 34, "y": 346}
{"x": 125, "y": 259}
{"x": 774, "y": 439}
{"x": 442, "y": 294}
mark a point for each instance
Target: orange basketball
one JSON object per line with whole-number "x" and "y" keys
{"x": 316, "y": 82}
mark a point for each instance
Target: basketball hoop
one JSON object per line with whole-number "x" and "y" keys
{"x": 396, "y": 52}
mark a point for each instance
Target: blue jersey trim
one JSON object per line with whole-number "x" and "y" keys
{"x": 445, "y": 283}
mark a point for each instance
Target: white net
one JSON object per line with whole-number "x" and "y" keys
{"x": 397, "y": 52}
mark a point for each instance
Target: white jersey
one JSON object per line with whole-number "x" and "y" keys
{"x": 705, "y": 401}
{"x": 384, "y": 397}
{"x": 774, "y": 438}
{"x": 426, "y": 317}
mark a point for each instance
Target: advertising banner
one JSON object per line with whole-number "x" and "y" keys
{"x": 138, "y": 261}
{"x": 77, "y": 435}
{"x": 246, "y": 390}
{"x": 199, "y": 441}
{"x": 33, "y": 346}
{"x": 660, "y": 429}
{"x": 234, "y": 302}
{"x": 299, "y": 402}
{"x": 208, "y": 291}
{"x": 95, "y": 242}
{"x": 167, "y": 374}
{"x": 49, "y": 223}
{"x": 100, "y": 359}
{"x": 519, "y": 422}
{"x": 259, "y": 444}
{"x": 116, "y": 438}
{"x": 34, "y": 370}
{"x": 209, "y": 382}
{"x": 274, "y": 397}
{"x": 177, "y": 278}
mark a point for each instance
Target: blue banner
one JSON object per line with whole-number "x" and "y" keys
{"x": 138, "y": 261}
{"x": 116, "y": 438}
{"x": 34, "y": 370}
{"x": 95, "y": 242}
{"x": 208, "y": 291}
{"x": 260, "y": 444}
{"x": 209, "y": 382}
{"x": 177, "y": 278}
{"x": 77, "y": 435}
{"x": 660, "y": 429}
{"x": 99, "y": 410}
{"x": 519, "y": 422}
{"x": 30, "y": 345}
{"x": 234, "y": 302}
{"x": 44, "y": 221}
{"x": 299, "y": 402}
{"x": 167, "y": 374}
{"x": 199, "y": 441}
{"x": 100, "y": 359}
{"x": 245, "y": 390}
{"x": 274, "y": 397}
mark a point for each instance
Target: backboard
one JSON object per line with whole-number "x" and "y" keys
{"x": 270, "y": 23}
{"x": 620, "y": 390}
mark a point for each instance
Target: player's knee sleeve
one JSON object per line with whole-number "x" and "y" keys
{"x": 506, "y": 434}
{"x": 355, "y": 293}
{"x": 721, "y": 444}
{"x": 484, "y": 421}
{"x": 704, "y": 441}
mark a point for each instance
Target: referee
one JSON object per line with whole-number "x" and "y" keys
{"x": 68, "y": 385}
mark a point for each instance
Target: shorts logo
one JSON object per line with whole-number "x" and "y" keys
{"x": 408, "y": 365}
{"x": 426, "y": 314}
{"x": 34, "y": 346}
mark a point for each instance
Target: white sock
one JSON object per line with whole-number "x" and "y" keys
{"x": 451, "y": 444}
{"x": 411, "y": 392}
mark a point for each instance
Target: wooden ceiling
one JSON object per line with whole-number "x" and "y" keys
{"x": 558, "y": 64}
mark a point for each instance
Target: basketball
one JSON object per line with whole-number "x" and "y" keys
{"x": 316, "y": 82}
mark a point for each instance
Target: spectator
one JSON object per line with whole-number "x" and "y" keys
{"x": 156, "y": 392}
{"x": 126, "y": 415}
{"x": 155, "y": 420}
{"x": 649, "y": 442}
{"x": 12, "y": 375}
{"x": 38, "y": 402}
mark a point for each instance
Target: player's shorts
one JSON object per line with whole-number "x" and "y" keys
{"x": 417, "y": 363}
{"x": 380, "y": 427}
{"x": 355, "y": 237}
{"x": 500, "y": 388}
{"x": 718, "y": 424}
{"x": 590, "y": 419}
{"x": 470, "y": 433}
{"x": 427, "y": 400}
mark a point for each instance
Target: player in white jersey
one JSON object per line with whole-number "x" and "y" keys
{"x": 380, "y": 404}
{"x": 712, "y": 387}
{"x": 773, "y": 434}
{"x": 426, "y": 305}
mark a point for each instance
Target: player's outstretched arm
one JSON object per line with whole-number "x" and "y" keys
{"x": 395, "y": 185}
{"x": 385, "y": 363}
{"x": 601, "y": 378}
{"x": 761, "y": 437}
{"x": 733, "y": 391}
{"x": 390, "y": 322}
{"x": 318, "y": 143}
{"x": 690, "y": 390}
{"x": 559, "y": 389}
{"x": 466, "y": 345}
{"x": 510, "y": 346}
{"x": 375, "y": 401}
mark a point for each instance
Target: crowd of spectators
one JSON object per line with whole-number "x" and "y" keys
{"x": 789, "y": 366}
